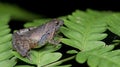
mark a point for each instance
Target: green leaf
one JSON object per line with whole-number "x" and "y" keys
{"x": 4, "y": 19}
{"x": 4, "y": 32}
{"x": 84, "y": 31}
{"x": 24, "y": 66}
{"x": 22, "y": 58}
{"x": 48, "y": 58}
{"x": 98, "y": 14}
{"x": 16, "y": 12}
{"x": 72, "y": 43}
{"x": 6, "y": 56}
{"x": 55, "y": 64}
{"x": 38, "y": 57}
{"x": 72, "y": 51}
{"x": 5, "y": 46}
{"x": 113, "y": 23}
{"x": 5, "y": 38}
{"x": 3, "y": 27}
{"x": 64, "y": 66}
{"x": 82, "y": 56}
{"x": 8, "y": 63}
{"x": 51, "y": 48}
{"x": 41, "y": 58}
{"x": 100, "y": 57}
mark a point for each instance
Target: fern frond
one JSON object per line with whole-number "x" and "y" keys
{"x": 8, "y": 63}
{"x": 113, "y": 22}
{"x": 16, "y": 12}
{"x": 100, "y": 57}
{"x": 24, "y": 66}
{"x": 6, "y": 56}
{"x": 42, "y": 57}
{"x": 84, "y": 31}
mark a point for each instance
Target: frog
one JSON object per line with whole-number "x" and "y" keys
{"x": 26, "y": 39}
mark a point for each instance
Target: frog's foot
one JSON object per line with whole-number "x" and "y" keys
{"x": 28, "y": 56}
{"x": 55, "y": 42}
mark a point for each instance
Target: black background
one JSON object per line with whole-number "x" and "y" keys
{"x": 56, "y": 8}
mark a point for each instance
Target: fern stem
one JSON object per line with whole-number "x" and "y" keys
{"x": 59, "y": 62}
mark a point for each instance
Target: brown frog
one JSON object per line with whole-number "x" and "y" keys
{"x": 26, "y": 39}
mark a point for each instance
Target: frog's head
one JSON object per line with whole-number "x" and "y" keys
{"x": 57, "y": 23}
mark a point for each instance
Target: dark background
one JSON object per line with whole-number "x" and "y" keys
{"x": 56, "y": 8}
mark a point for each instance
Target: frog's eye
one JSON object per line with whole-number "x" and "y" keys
{"x": 60, "y": 22}
{"x": 57, "y": 23}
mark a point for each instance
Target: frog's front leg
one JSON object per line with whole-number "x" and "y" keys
{"x": 55, "y": 42}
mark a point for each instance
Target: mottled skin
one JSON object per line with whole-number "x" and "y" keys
{"x": 26, "y": 39}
